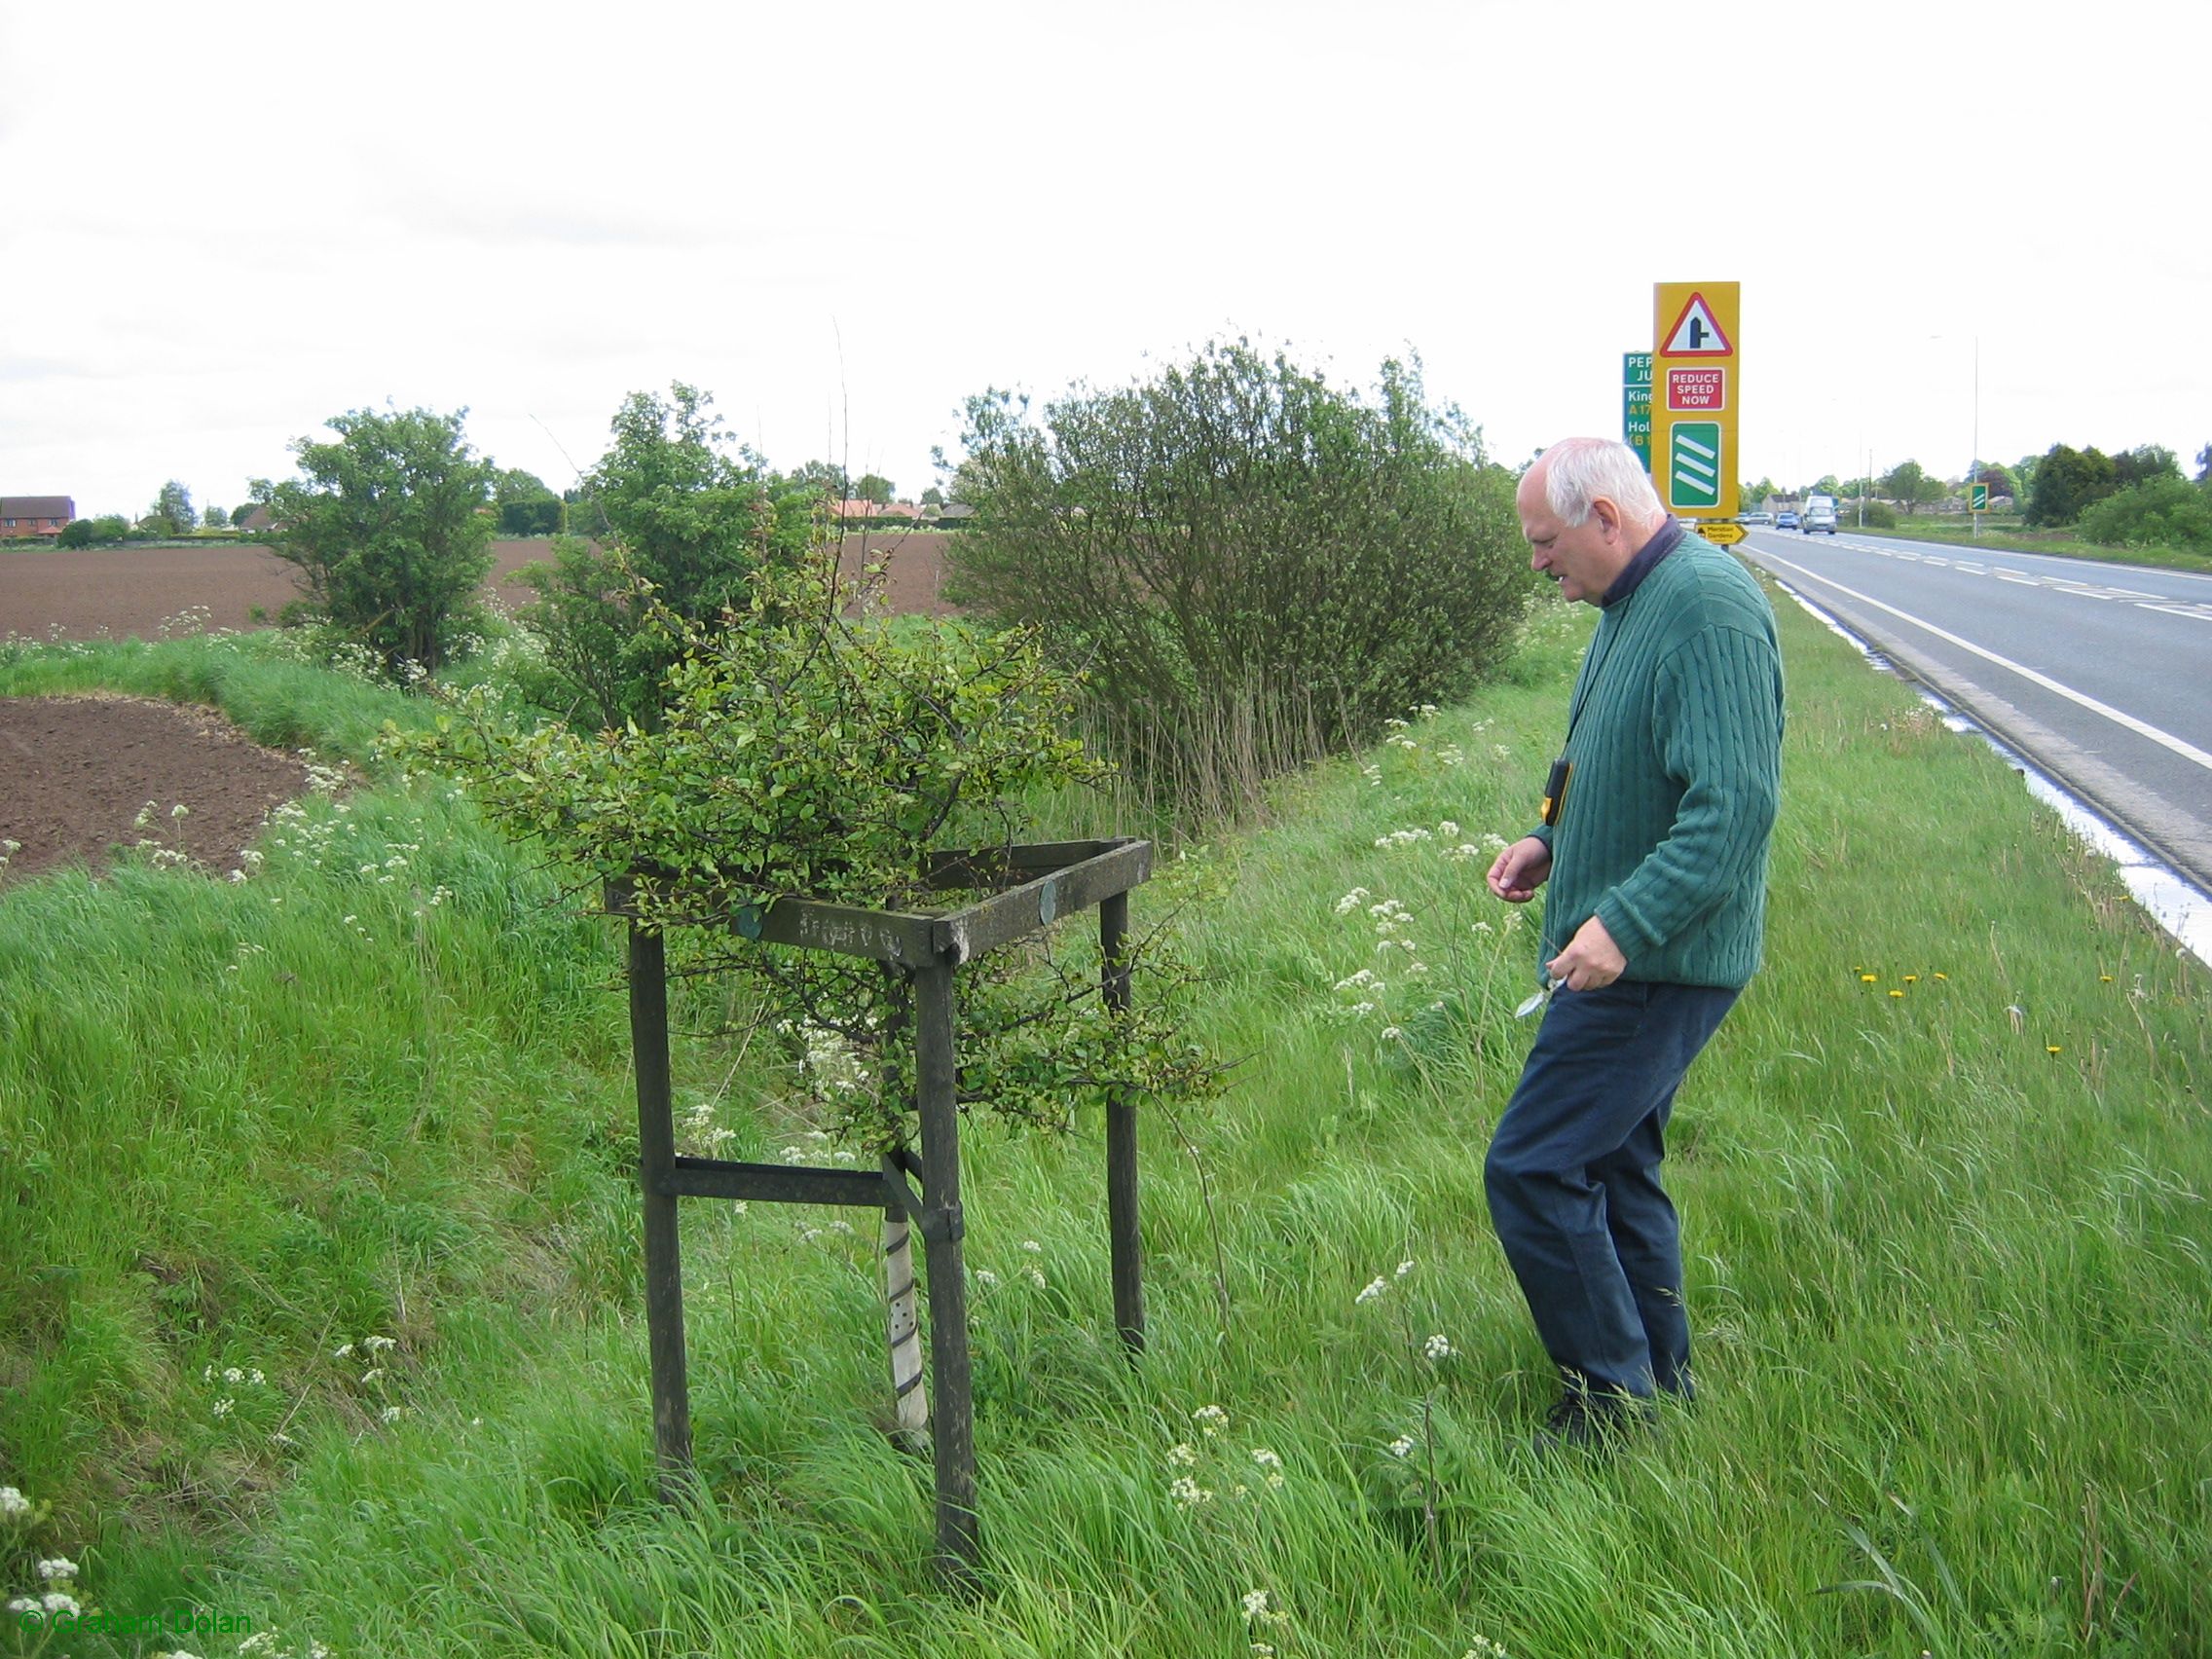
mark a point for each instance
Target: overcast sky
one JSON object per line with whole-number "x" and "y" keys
{"x": 221, "y": 223}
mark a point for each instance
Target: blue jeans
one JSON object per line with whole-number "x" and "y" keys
{"x": 1574, "y": 1181}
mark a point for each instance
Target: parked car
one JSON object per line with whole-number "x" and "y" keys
{"x": 1787, "y": 520}
{"x": 1754, "y": 520}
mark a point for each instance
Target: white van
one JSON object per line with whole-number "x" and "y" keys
{"x": 1818, "y": 514}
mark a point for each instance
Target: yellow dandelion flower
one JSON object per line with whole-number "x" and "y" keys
{"x": 1942, "y": 976}
{"x": 1912, "y": 978}
{"x": 1866, "y": 978}
{"x": 2052, "y": 1049}
{"x": 2104, "y": 979}
{"x": 1897, "y": 993}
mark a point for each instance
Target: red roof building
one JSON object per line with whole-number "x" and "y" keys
{"x": 24, "y": 516}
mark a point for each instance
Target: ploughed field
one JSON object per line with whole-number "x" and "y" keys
{"x": 81, "y": 775}
{"x": 115, "y": 593}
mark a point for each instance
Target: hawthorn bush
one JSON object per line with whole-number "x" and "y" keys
{"x": 802, "y": 754}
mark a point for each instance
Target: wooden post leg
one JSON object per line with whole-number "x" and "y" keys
{"x": 1124, "y": 1235}
{"x": 656, "y": 1162}
{"x": 909, "y": 1399}
{"x": 958, "y": 1541}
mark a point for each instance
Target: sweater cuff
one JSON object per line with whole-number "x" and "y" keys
{"x": 1629, "y": 932}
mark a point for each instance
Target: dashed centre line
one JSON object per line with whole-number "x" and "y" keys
{"x": 2193, "y": 609}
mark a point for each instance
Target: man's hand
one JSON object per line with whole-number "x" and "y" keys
{"x": 1590, "y": 960}
{"x": 1520, "y": 870}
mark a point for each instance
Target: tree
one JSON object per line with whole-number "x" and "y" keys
{"x": 531, "y": 518}
{"x": 1998, "y": 477}
{"x": 517, "y": 484}
{"x": 824, "y": 479}
{"x": 240, "y": 513}
{"x": 2204, "y": 465}
{"x": 1908, "y": 485}
{"x": 110, "y": 527}
{"x": 684, "y": 517}
{"x": 1751, "y": 495}
{"x": 1254, "y": 567}
{"x": 171, "y": 513}
{"x": 386, "y": 531}
{"x": 933, "y": 497}
{"x": 2143, "y": 463}
{"x": 875, "y": 486}
{"x": 2066, "y": 481}
{"x": 214, "y": 518}
{"x": 77, "y": 533}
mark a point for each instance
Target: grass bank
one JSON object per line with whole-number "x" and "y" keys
{"x": 1943, "y": 1177}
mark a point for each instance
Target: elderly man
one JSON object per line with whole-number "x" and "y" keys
{"x": 1654, "y": 839}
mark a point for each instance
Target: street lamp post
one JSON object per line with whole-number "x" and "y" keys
{"x": 1974, "y": 467}
{"x": 1971, "y": 509}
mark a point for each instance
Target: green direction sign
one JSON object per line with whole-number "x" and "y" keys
{"x": 1635, "y": 404}
{"x": 1693, "y": 467}
{"x": 1977, "y": 497}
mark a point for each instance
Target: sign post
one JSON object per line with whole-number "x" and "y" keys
{"x": 1696, "y": 370}
{"x": 1635, "y": 404}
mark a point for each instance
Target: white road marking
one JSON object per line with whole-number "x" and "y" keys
{"x": 2185, "y": 749}
{"x": 2197, "y": 613}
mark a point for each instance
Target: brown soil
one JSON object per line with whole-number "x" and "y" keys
{"x": 76, "y": 773}
{"x": 154, "y": 593}
{"x": 158, "y": 592}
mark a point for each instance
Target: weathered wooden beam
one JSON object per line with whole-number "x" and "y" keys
{"x": 898, "y": 936}
{"x": 775, "y": 1183}
{"x": 1000, "y": 866}
{"x": 936, "y": 1068}
{"x": 968, "y": 933}
{"x": 1124, "y": 1234}
{"x": 656, "y": 1156}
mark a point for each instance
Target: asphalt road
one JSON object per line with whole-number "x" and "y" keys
{"x": 2101, "y": 675}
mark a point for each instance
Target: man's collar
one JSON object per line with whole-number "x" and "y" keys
{"x": 1664, "y": 541}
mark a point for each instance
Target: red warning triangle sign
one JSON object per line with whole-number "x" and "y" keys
{"x": 1695, "y": 334}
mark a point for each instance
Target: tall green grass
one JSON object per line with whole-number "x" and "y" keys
{"x": 1948, "y": 1255}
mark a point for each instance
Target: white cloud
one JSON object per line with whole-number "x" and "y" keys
{"x": 231, "y": 221}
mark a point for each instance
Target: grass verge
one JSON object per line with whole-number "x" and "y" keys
{"x": 1943, "y": 1176}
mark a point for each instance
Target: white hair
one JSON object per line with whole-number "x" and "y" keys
{"x": 1579, "y": 471}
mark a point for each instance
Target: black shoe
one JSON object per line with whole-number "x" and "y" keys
{"x": 1592, "y": 1422}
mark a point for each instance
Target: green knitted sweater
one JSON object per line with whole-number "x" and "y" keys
{"x": 1676, "y": 739}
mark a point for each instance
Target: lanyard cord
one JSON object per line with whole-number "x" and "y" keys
{"x": 1588, "y": 682}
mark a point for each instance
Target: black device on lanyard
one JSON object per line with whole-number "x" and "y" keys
{"x": 1555, "y": 789}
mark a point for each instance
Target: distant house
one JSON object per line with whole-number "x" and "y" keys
{"x": 22, "y": 516}
{"x": 258, "y": 520}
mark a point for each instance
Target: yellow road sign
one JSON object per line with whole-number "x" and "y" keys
{"x": 1722, "y": 534}
{"x": 1696, "y": 386}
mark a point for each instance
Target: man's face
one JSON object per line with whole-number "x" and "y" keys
{"x": 1583, "y": 560}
